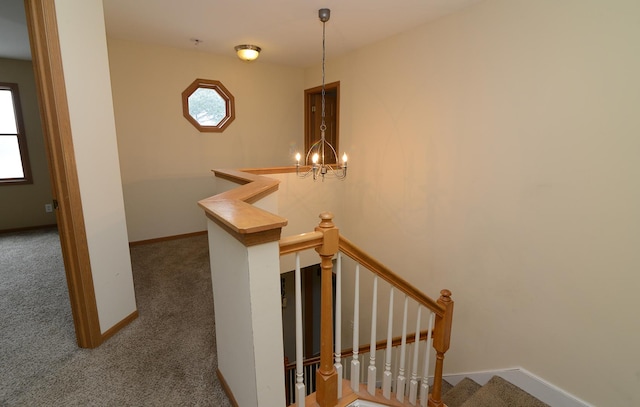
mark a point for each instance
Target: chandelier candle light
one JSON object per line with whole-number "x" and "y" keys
{"x": 321, "y": 147}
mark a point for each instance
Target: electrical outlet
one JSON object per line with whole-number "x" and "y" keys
{"x": 48, "y": 208}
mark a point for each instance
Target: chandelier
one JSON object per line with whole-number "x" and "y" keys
{"x": 322, "y": 153}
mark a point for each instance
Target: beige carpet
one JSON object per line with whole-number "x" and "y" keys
{"x": 496, "y": 393}
{"x": 164, "y": 358}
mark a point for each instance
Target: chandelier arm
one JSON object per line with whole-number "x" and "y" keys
{"x": 339, "y": 173}
{"x": 312, "y": 149}
{"x": 333, "y": 150}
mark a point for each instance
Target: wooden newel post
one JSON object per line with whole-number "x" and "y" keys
{"x": 326, "y": 376}
{"x": 441, "y": 340}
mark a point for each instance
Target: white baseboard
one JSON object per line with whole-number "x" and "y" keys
{"x": 527, "y": 381}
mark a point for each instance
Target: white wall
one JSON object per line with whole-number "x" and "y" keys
{"x": 494, "y": 152}
{"x": 166, "y": 163}
{"x": 246, "y": 294}
{"x": 86, "y": 71}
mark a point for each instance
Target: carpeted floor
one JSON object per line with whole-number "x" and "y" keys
{"x": 164, "y": 358}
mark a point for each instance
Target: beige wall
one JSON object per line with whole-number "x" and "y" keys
{"x": 165, "y": 161}
{"x": 302, "y": 201}
{"x": 495, "y": 153}
{"x": 23, "y": 205}
{"x": 86, "y": 71}
{"x": 502, "y": 156}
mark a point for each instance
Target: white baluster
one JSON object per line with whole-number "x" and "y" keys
{"x": 413, "y": 384}
{"x": 338, "y": 324}
{"x": 387, "y": 376}
{"x": 371, "y": 377}
{"x": 424, "y": 387}
{"x": 355, "y": 363}
{"x": 300, "y": 388}
{"x": 402, "y": 380}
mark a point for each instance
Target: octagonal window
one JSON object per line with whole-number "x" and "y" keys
{"x": 208, "y": 105}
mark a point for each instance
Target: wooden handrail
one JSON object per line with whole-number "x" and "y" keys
{"x": 303, "y": 241}
{"x": 389, "y": 276}
{"x": 311, "y": 240}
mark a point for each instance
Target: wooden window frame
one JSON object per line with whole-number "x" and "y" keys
{"x": 222, "y": 91}
{"x": 21, "y": 136}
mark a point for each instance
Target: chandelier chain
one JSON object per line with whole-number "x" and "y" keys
{"x": 323, "y": 125}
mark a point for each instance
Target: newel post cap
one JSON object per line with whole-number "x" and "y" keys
{"x": 331, "y": 235}
{"x": 445, "y": 295}
{"x": 326, "y": 220}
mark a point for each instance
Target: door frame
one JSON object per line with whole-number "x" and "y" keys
{"x": 308, "y": 95}
{"x": 54, "y": 111}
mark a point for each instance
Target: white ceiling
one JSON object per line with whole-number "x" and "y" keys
{"x": 288, "y": 31}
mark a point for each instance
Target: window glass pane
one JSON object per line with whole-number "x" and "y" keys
{"x": 10, "y": 160}
{"x": 207, "y": 107}
{"x": 7, "y": 115}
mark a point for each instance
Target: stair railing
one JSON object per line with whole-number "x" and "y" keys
{"x": 441, "y": 310}
{"x": 327, "y": 241}
{"x": 324, "y": 240}
{"x": 242, "y": 225}
{"x": 311, "y": 365}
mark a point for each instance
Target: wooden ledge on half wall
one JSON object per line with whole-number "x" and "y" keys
{"x": 275, "y": 170}
{"x": 233, "y": 210}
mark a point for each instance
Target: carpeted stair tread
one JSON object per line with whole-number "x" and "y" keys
{"x": 500, "y": 393}
{"x": 460, "y": 392}
{"x": 486, "y": 399}
{"x": 446, "y": 386}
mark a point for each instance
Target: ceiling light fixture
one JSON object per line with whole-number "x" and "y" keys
{"x": 247, "y": 52}
{"x": 315, "y": 157}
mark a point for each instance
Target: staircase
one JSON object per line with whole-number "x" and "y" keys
{"x": 245, "y": 240}
{"x": 496, "y": 393}
{"x": 410, "y": 380}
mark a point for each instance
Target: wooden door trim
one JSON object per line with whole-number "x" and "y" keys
{"x": 54, "y": 111}
{"x": 307, "y": 113}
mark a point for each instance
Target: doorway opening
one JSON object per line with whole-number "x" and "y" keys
{"x": 310, "y": 286}
{"x": 313, "y": 117}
